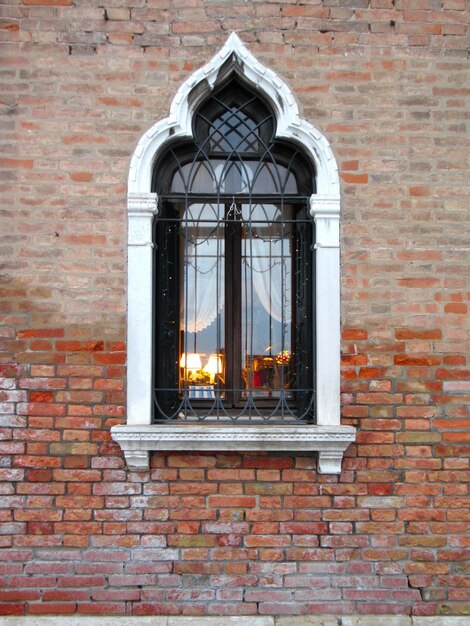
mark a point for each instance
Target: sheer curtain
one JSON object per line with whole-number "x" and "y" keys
{"x": 271, "y": 271}
{"x": 203, "y": 262}
{"x": 203, "y": 285}
{"x": 268, "y": 258}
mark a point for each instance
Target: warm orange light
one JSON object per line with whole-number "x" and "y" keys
{"x": 214, "y": 366}
{"x": 191, "y": 361}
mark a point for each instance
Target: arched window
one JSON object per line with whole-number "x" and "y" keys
{"x": 233, "y": 273}
{"x": 234, "y": 267}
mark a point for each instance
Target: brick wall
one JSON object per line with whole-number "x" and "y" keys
{"x": 387, "y": 82}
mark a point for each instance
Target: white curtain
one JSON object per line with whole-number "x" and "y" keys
{"x": 203, "y": 285}
{"x": 270, "y": 265}
{"x": 268, "y": 260}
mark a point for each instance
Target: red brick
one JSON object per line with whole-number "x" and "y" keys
{"x": 79, "y": 475}
{"x": 355, "y": 179}
{"x": 454, "y": 360}
{"x": 233, "y": 502}
{"x": 37, "y": 461}
{"x": 40, "y": 345}
{"x": 353, "y": 334}
{"x": 352, "y": 165}
{"x": 81, "y": 177}
{"x": 80, "y": 346}
{"x": 41, "y": 332}
{"x": 419, "y": 190}
{"x": 268, "y": 462}
{"x": 41, "y": 396}
{"x": 379, "y": 398}
{"x": 111, "y": 358}
{"x": 423, "y": 333}
{"x": 54, "y": 608}
{"x": 40, "y": 408}
{"x": 230, "y": 474}
{"x": 452, "y": 374}
{"x": 14, "y": 163}
{"x": 404, "y": 359}
{"x": 457, "y": 437}
{"x": 372, "y": 372}
{"x": 60, "y": 595}
{"x": 301, "y": 502}
{"x": 12, "y": 608}
{"x": 354, "y": 359}
{"x": 456, "y": 307}
{"x": 304, "y": 528}
{"x": 418, "y": 283}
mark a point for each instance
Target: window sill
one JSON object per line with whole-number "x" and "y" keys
{"x": 137, "y": 441}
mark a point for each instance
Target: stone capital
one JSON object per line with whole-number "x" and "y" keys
{"x": 142, "y": 204}
{"x": 324, "y": 205}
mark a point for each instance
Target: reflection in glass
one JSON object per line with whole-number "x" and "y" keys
{"x": 233, "y": 177}
{"x": 261, "y": 237}
{"x": 233, "y": 131}
{"x": 266, "y": 300}
{"x": 202, "y": 301}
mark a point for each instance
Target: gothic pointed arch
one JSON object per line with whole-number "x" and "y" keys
{"x": 234, "y": 57}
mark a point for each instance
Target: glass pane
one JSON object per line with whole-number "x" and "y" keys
{"x": 202, "y": 312}
{"x": 195, "y": 177}
{"x": 266, "y": 300}
{"x": 232, "y": 177}
{"x": 272, "y": 178}
{"x": 233, "y": 131}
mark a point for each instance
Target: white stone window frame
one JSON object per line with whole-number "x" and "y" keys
{"x": 140, "y": 436}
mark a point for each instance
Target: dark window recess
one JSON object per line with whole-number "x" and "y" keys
{"x": 234, "y": 293}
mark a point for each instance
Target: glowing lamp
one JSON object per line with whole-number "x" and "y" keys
{"x": 213, "y": 366}
{"x": 191, "y": 361}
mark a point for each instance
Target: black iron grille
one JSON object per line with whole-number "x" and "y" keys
{"x": 234, "y": 270}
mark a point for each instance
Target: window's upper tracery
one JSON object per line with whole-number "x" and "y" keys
{"x": 234, "y": 152}
{"x": 234, "y": 121}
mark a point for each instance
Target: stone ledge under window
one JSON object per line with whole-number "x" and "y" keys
{"x": 137, "y": 441}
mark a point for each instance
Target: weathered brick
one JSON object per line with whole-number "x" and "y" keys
{"x": 235, "y": 533}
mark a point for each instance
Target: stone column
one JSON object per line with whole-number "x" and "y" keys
{"x": 325, "y": 210}
{"x": 142, "y": 207}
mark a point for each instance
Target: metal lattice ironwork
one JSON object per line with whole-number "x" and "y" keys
{"x": 234, "y": 267}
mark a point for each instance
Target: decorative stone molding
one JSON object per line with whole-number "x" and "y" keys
{"x": 329, "y": 442}
{"x": 142, "y": 203}
{"x": 141, "y": 208}
{"x": 328, "y": 437}
{"x": 325, "y": 212}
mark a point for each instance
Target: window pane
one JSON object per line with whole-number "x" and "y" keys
{"x": 268, "y": 177}
{"x": 233, "y": 131}
{"x": 232, "y": 177}
{"x": 202, "y": 315}
{"x": 266, "y": 300}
